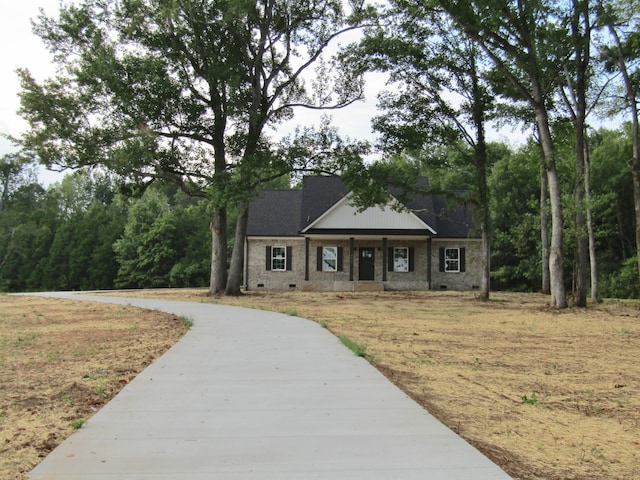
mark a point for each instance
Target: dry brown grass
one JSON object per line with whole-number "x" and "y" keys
{"x": 470, "y": 363}
{"x": 60, "y": 361}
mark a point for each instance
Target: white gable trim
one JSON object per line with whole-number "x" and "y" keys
{"x": 371, "y": 218}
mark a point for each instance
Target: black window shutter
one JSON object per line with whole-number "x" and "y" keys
{"x": 340, "y": 257}
{"x": 268, "y": 257}
{"x": 319, "y": 259}
{"x": 411, "y": 262}
{"x": 289, "y": 259}
{"x": 441, "y": 259}
{"x": 462, "y": 259}
{"x": 390, "y": 259}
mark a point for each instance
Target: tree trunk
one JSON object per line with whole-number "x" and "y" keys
{"x": 556, "y": 258}
{"x": 593, "y": 262}
{"x": 485, "y": 280}
{"x": 218, "y": 251}
{"x": 485, "y": 221}
{"x": 581, "y": 33}
{"x": 479, "y": 109}
{"x": 544, "y": 231}
{"x": 580, "y": 219}
{"x": 234, "y": 282}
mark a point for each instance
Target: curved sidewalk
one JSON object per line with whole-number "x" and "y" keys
{"x": 250, "y": 394}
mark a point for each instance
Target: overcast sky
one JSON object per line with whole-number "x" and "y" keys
{"x": 19, "y": 48}
{"x": 22, "y": 49}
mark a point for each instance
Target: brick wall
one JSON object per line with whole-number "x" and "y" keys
{"x": 258, "y": 277}
{"x": 467, "y": 280}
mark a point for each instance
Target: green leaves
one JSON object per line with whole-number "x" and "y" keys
{"x": 181, "y": 89}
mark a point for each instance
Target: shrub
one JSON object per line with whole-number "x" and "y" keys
{"x": 625, "y": 283}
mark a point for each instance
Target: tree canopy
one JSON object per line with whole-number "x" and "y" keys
{"x": 183, "y": 91}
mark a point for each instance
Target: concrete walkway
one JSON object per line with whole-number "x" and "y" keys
{"x": 250, "y": 394}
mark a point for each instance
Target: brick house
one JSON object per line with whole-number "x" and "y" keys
{"x": 313, "y": 239}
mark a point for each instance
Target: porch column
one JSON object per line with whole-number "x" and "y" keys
{"x": 351, "y": 249}
{"x": 384, "y": 259}
{"x": 306, "y": 259}
{"x": 246, "y": 264}
{"x": 429, "y": 262}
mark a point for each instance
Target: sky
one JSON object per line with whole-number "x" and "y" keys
{"x": 20, "y": 49}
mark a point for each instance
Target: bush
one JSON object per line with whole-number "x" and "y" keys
{"x": 625, "y": 283}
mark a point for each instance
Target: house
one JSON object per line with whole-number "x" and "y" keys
{"x": 313, "y": 239}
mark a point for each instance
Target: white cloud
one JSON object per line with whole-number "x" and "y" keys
{"x": 20, "y": 49}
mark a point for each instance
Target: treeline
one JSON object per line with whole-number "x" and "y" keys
{"x": 514, "y": 185}
{"x": 83, "y": 234}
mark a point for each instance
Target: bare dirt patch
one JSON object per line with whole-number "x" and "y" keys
{"x": 546, "y": 394}
{"x": 60, "y": 362}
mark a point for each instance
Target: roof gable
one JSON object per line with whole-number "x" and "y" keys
{"x": 343, "y": 215}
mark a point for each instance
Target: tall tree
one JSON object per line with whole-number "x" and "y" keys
{"x": 528, "y": 46}
{"x": 577, "y": 73}
{"x": 27, "y": 228}
{"x": 182, "y": 91}
{"x": 147, "y": 249}
{"x": 613, "y": 192}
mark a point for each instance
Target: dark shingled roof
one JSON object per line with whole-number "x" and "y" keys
{"x": 453, "y": 220}
{"x": 275, "y": 213}
{"x": 280, "y": 213}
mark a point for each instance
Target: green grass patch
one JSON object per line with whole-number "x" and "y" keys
{"x": 100, "y": 388}
{"x": 422, "y": 360}
{"x": 26, "y": 339}
{"x": 290, "y": 311}
{"x": 78, "y": 423}
{"x": 85, "y": 353}
{"x": 358, "y": 349}
{"x": 186, "y": 321}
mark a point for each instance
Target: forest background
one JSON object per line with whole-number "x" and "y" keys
{"x": 83, "y": 234}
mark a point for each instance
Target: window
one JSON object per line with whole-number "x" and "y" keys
{"x": 279, "y": 258}
{"x": 400, "y": 259}
{"x": 329, "y": 259}
{"x": 451, "y": 259}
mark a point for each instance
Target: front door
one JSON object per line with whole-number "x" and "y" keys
{"x": 366, "y": 269}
